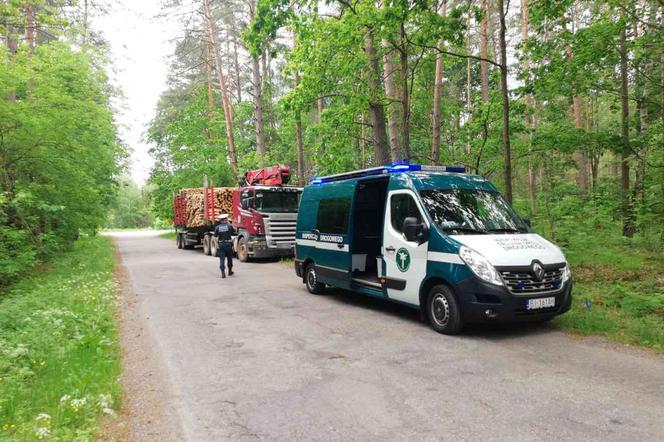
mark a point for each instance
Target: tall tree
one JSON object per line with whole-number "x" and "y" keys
{"x": 484, "y": 42}
{"x": 438, "y": 93}
{"x": 628, "y": 225}
{"x": 529, "y": 104}
{"x": 507, "y": 149}
{"x": 376, "y": 109}
{"x": 389, "y": 72}
{"x": 223, "y": 85}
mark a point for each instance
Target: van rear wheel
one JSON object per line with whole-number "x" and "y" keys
{"x": 443, "y": 310}
{"x": 311, "y": 280}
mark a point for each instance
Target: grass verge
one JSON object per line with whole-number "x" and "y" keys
{"x": 169, "y": 235}
{"x": 59, "y": 357}
{"x": 618, "y": 292}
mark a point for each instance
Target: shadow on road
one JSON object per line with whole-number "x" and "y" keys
{"x": 495, "y": 331}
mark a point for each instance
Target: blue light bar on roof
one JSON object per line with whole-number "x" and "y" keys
{"x": 395, "y": 168}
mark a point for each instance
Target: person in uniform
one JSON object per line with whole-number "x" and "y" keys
{"x": 223, "y": 232}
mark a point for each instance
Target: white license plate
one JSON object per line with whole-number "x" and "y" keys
{"x": 534, "y": 304}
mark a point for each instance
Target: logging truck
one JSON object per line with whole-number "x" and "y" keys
{"x": 263, "y": 210}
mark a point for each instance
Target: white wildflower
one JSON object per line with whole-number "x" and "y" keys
{"x": 107, "y": 411}
{"x": 43, "y": 417}
{"x": 65, "y": 398}
{"x": 42, "y": 432}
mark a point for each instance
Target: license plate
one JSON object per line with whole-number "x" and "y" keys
{"x": 534, "y": 304}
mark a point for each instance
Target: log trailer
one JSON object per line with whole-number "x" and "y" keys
{"x": 264, "y": 212}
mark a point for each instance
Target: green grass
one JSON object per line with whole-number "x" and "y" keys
{"x": 59, "y": 355}
{"x": 624, "y": 284}
{"x": 169, "y": 235}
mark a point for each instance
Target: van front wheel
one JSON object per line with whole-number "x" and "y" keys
{"x": 311, "y": 280}
{"x": 443, "y": 310}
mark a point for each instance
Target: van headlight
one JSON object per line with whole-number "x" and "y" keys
{"x": 480, "y": 266}
{"x": 567, "y": 273}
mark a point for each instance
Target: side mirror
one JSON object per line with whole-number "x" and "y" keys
{"x": 527, "y": 221}
{"x": 245, "y": 203}
{"x": 414, "y": 230}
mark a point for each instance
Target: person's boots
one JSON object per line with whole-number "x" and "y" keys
{"x": 223, "y": 273}
{"x": 230, "y": 271}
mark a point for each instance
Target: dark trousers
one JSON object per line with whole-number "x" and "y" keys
{"x": 225, "y": 252}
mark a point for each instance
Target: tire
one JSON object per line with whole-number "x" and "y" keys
{"x": 206, "y": 245}
{"x": 443, "y": 310}
{"x": 178, "y": 240}
{"x": 213, "y": 247}
{"x": 311, "y": 281}
{"x": 242, "y": 251}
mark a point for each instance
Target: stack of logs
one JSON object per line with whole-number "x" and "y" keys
{"x": 195, "y": 204}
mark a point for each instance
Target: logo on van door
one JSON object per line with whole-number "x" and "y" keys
{"x": 403, "y": 259}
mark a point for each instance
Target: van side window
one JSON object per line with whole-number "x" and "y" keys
{"x": 333, "y": 215}
{"x": 403, "y": 206}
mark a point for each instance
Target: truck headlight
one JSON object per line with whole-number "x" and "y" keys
{"x": 480, "y": 266}
{"x": 567, "y": 273}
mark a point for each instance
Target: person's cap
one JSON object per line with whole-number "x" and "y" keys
{"x": 223, "y": 216}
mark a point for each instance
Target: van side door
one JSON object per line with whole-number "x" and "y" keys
{"x": 405, "y": 261}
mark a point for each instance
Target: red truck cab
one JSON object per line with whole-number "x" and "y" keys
{"x": 265, "y": 217}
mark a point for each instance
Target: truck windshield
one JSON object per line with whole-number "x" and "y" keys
{"x": 276, "y": 201}
{"x": 469, "y": 211}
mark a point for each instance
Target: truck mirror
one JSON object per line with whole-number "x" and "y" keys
{"x": 245, "y": 203}
{"x": 414, "y": 230}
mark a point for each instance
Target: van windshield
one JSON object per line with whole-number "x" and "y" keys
{"x": 470, "y": 211}
{"x": 276, "y": 201}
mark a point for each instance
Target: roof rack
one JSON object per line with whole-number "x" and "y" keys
{"x": 381, "y": 170}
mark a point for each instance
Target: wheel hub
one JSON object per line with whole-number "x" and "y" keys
{"x": 440, "y": 309}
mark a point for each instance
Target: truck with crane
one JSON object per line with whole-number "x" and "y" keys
{"x": 263, "y": 209}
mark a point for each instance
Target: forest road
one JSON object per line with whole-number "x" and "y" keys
{"x": 255, "y": 356}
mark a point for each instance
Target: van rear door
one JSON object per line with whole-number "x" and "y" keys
{"x": 405, "y": 261}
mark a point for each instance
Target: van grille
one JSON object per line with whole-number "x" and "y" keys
{"x": 525, "y": 283}
{"x": 280, "y": 229}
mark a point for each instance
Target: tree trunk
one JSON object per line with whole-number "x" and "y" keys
{"x": 507, "y": 151}
{"x": 484, "y": 37}
{"x": 628, "y": 225}
{"x": 469, "y": 97}
{"x": 579, "y": 155}
{"x": 210, "y": 90}
{"x": 238, "y": 83}
{"x": 529, "y": 120}
{"x": 30, "y": 27}
{"x": 258, "y": 107}
{"x": 299, "y": 146}
{"x": 393, "y": 105}
{"x": 376, "y": 109}
{"x": 223, "y": 87}
{"x": 437, "y": 94}
{"x": 405, "y": 95}
{"x": 363, "y": 141}
{"x": 320, "y": 106}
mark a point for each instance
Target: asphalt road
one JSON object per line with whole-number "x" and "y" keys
{"x": 255, "y": 356}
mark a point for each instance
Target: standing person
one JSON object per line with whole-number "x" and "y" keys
{"x": 223, "y": 232}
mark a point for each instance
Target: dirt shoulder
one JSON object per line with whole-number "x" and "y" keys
{"x": 147, "y": 412}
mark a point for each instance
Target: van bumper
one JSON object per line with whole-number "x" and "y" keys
{"x": 485, "y": 303}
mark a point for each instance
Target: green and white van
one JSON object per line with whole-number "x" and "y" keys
{"x": 434, "y": 238}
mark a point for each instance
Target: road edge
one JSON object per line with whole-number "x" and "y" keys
{"x": 146, "y": 411}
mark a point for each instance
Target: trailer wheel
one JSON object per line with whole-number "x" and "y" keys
{"x": 311, "y": 280}
{"x": 443, "y": 310}
{"x": 178, "y": 240}
{"x": 213, "y": 246}
{"x": 206, "y": 245}
{"x": 242, "y": 251}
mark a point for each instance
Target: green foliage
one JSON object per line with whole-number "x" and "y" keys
{"x": 59, "y": 150}
{"x": 131, "y": 207}
{"x": 59, "y": 358}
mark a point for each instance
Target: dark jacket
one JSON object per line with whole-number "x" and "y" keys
{"x": 223, "y": 232}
